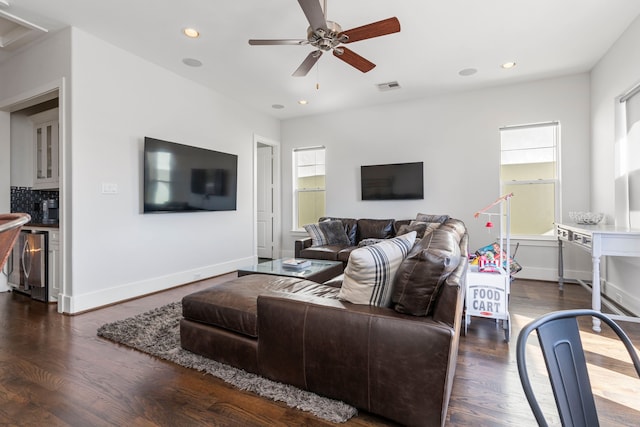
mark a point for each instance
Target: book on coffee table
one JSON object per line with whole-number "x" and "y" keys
{"x": 294, "y": 263}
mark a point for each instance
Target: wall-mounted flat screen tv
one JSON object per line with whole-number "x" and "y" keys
{"x": 398, "y": 181}
{"x": 182, "y": 178}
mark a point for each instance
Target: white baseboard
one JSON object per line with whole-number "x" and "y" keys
{"x": 621, "y": 297}
{"x": 551, "y": 274}
{"x": 78, "y": 303}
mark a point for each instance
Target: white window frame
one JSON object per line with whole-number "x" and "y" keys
{"x": 627, "y": 162}
{"x": 296, "y": 190}
{"x": 557, "y": 181}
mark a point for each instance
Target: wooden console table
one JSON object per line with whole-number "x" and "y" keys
{"x": 598, "y": 240}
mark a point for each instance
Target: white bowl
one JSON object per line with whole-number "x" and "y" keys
{"x": 590, "y": 218}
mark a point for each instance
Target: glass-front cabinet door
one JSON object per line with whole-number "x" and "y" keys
{"x": 46, "y": 155}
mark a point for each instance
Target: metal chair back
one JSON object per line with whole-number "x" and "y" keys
{"x": 559, "y": 337}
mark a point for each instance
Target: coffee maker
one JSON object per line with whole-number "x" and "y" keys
{"x": 50, "y": 211}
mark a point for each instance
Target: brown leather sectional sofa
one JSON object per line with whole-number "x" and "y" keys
{"x": 378, "y": 359}
{"x": 357, "y": 231}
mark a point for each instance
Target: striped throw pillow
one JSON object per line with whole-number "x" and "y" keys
{"x": 316, "y": 234}
{"x": 369, "y": 274}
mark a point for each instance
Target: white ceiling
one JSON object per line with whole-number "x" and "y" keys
{"x": 438, "y": 39}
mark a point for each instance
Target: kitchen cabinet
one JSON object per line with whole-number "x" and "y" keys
{"x": 46, "y": 150}
{"x": 46, "y": 154}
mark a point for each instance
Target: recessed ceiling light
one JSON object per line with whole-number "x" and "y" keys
{"x": 277, "y": 106}
{"x": 191, "y": 32}
{"x": 467, "y": 72}
{"x": 303, "y": 102}
{"x": 508, "y": 65}
{"x": 191, "y": 62}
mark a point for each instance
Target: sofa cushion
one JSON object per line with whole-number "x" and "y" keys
{"x": 326, "y": 252}
{"x": 399, "y": 223}
{"x": 345, "y": 253}
{"x": 369, "y": 274}
{"x": 232, "y": 305}
{"x": 456, "y": 226}
{"x": 370, "y": 241}
{"x": 421, "y": 228}
{"x": 431, "y": 218}
{"x": 375, "y": 228}
{"x": 422, "y": 273}
{"x": 450, "y": 294}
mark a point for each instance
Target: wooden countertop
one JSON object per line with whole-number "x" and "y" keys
{"x": 41, "y": 225}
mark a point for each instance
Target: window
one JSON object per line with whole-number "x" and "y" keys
{"x": 627, "y": 166}
{"x": 309, "y": 185}
{"x": 529, "y": 168}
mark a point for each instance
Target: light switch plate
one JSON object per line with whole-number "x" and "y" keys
{"x": 109, "y": 188}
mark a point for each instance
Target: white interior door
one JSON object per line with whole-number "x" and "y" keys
{"x": 265, "y": 189}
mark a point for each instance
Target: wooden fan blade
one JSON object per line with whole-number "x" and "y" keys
{"x": 313, "y": 11}
{"x": 353, "y": 59}
{"x": 307, "y": 64}
{"x": 254, "y": 42}
{"x": 375, "y": 29}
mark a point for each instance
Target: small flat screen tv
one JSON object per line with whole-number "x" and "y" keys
{"x": 398, "y": 181}
{"x": 182, "y": 178}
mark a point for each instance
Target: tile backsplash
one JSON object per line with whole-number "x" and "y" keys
{"x": 28, "y": 200}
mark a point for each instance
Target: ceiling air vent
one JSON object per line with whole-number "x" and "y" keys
{"x": 383, "y": 87}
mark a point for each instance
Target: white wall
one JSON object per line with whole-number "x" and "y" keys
{"x": 457, "y": 138}
{"x": 21, "y": 151}
{"x": 117, "y": 252}
{"x": 616, "y": 72}
{"x": 5, "y": 161}
{"x": 27, "y": 73}
{"x": 114, "y": 99}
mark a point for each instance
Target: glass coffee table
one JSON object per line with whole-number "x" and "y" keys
{"x": 319, "y": 271}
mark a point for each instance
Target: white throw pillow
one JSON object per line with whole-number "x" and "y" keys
{"x": 369, "y": 274}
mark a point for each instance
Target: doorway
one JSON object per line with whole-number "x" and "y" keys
{"x": 267, "y": 200}
{"x": 26, "y": 104}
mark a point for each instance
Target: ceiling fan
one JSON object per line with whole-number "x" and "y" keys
{"x": 327, "y": 35}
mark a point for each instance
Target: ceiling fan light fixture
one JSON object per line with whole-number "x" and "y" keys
{"x": 191, "y": 33}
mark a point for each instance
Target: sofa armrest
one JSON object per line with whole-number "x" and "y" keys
{"x": 376, "y": 359}
{"x": 301, "y": 244}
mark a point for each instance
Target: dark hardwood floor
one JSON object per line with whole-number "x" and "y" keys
{"x": 55, "y": 371}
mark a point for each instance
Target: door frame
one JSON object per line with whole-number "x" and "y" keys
{"x": 32, "y": 97}
{"x": 277, "y": 217}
